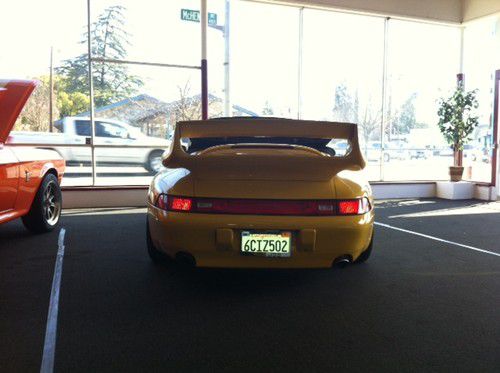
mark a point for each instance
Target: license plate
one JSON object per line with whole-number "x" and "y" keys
{"x": 267, "y": 244}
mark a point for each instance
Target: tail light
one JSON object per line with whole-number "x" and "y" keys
{"x": 264, "y": 206}
{"x": 354, "y": 206}
{"x": 171, "y": 203}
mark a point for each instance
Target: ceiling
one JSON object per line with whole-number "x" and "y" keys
{"x": 449, "y": 11}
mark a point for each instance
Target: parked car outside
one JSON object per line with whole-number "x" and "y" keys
{"x": 475, "y": 154}
{"x": 419, "y": 153}
{"x": 392, "y": 150}
{"x": 125, "y": 144}
{"x": 446, "y": 152}
{"x": 470, "y": 152}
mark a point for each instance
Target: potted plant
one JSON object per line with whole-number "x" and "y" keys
{"x": 457, "y": 121}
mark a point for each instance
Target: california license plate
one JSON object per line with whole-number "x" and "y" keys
{"x": 267, "y": 244}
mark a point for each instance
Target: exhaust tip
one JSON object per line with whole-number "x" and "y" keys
{"x": 342, "y": 261}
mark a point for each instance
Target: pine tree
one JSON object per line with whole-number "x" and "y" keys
{"x": 406, "y": 118}
{"x": 112, "y": 82}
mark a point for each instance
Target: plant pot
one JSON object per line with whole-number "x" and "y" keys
{"x": 456, "y": 173}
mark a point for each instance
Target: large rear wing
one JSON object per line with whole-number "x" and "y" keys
{"x": 265, "y": 127}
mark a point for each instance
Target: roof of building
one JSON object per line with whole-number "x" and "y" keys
{"x": 162, "y": 106}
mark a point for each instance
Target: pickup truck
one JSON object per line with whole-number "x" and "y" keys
{"x": 125, "y": 144}
{"x": 392, "y": 150}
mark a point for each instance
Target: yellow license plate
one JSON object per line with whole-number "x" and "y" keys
{"x": 267, "y": 244}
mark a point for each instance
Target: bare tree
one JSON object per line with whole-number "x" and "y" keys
{"x": 369, "y": 122}
{"x": 34, "y": 116}
{"x": 189, "y": 107}
{"x": 349, "y": 108}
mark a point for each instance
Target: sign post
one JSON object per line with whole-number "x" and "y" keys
{"x": 210, "y": 19}
{"x": 194, "y": 16}
{"x": 204, "y": 64}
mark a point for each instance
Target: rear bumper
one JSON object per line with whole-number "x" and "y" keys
{"x": 214, "y": 240}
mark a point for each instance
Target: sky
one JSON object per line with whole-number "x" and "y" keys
{"x": 337, "y": 49}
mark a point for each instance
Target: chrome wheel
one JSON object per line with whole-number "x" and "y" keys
{"x": 155, "y": 163}
{"x": 51, "y": 204}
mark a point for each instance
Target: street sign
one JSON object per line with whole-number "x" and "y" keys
{"x": 194, "y": 16}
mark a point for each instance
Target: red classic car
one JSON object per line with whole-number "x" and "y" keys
{"x": 29, "y": 178}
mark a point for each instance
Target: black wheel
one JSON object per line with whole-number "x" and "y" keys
{"x": 154, "y": 162}
{"x": 156, "y": 255}
{"x": 46, "y": 208}
{"x": 365, "y": 254}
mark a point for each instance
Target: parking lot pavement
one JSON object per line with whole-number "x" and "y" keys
{"x": 470, "y": 222}
{"x": 417, "y": 304}
{"x": 26, "y": 265}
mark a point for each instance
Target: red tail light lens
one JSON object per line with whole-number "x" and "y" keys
{"x": 180, "y": 204}
{"x": 348, "y": 207}
{"x": 171, "y": 203}
{"x": 354, "y": 206}
{"x": 263, "y": 206}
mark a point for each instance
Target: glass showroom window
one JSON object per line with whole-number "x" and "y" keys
{"x": 49, "y": 43}
{"x": 138, "y": 95}
{"x": 264, "y": 58}
{"x": 422, "y": 63}
{"x": 342, "y": 75}
{"x": 481, "y": 38}
{"x": 154, "y": 30}
{"x": 133, "y": 126}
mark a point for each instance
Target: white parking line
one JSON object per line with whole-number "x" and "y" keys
{"x": 49, "y": 346}
{"x": 438, "y": 239}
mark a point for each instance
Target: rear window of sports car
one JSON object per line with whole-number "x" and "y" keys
{"x": 331, "y": 147}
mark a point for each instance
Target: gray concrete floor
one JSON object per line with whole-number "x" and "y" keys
{"x": 416, "y": 305}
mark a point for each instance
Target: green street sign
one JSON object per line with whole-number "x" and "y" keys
{"x": 194, "y": 16}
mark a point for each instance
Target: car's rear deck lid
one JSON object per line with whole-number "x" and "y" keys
{"x": 13, "y": 96}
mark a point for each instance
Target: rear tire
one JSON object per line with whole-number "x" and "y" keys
{"x": 46, "y": 208}
{"x": 365, "y": 254}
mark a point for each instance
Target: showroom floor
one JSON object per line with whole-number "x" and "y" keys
{"x": 418, "y": 304}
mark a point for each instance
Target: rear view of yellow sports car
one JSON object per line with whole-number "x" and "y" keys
{"x": 261, "y": 193}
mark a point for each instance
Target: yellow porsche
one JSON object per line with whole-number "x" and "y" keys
{"x": 261, "y": 193}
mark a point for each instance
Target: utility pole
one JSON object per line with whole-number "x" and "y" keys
{"x": 227, "y": 86}
{"x": 225, "y": 29}
{"x": 204, "y": 64}
{"x": 301, "y": 61}
{"x": 51, "y": 82}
